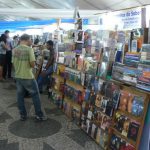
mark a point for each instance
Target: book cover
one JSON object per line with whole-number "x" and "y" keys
{"x": 98, "y": 100}
{"x": 106, "y": 122}
{"x": 83, "y": 122}
{"x": 87, "y": 95}
{"x": 98, "y": 117}
{"x": 125, "y": 129}
{"x": 76, "y": 115}
{"x": 115, "y": 142}
{"x": 115, "y": 99}
{"x": 109, "y": 108}
{"x": 133, "y": 131}
{"x": 90, "y": 115}
{"x": 123, "y": 145}
{"x": 119, "y": 122}
{"x": 88, "y": 125}
{"x": 98, "y": 135}
{"x": 104, "y": 101}
{"x": 93, "y": 130}
{"x": 138, "y": 106}
{"x": 102, "y": 68}
{"x": 104, "y": 139}
{"x": 124, "y": 98}
{"x": 127, "y": 147}
{"x": 90, "y": 128}
{"x": 92, "y": 98}
{"x": 80, "y": 61}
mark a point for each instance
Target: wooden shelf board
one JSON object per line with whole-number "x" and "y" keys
{"x": 58, "y": 77}
{"x": 92, "y": 138}
{"x": 72, "y": 102}
{"x": 74, "y": 85}
{"x": 129, "y": 115}
{"x": 133, "y": 143}
{"x": 128, "y": 84}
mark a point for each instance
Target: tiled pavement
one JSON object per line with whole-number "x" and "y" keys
{"x": 30, "y": 135}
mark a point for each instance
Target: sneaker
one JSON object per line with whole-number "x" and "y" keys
{"x": 23, "y": 118}
{"x": 44, "y": 118}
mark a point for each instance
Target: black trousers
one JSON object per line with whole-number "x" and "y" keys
{"x": 8, "y": 65}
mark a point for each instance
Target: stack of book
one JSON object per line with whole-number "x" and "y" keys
{"x": 144, "y": 68}
{"x": 143, "y": 77}
{"x": 124, "y": 73}
{"x": 145, "y": 54}
{"x": 132, "y": 59}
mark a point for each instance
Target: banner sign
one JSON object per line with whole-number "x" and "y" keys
{"x": 129, "y": 19}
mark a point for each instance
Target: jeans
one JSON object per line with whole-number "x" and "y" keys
{"x": 42, "y": 80}
{"x": 29, "y": 85}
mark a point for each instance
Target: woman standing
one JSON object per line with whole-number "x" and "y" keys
{"x": 3, "y": 48}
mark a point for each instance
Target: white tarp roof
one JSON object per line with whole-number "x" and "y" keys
{"x": 19, "y": 9}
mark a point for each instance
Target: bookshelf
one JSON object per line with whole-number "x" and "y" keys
{"x": 123, "y": 137}
{"x": 139, "y": 119}
{"x": 88, "y": 107}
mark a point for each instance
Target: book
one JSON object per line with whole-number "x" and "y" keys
{"x": 88, "y": 125}
{"x": 102, "y": 68}
{"x": 133, "y": 131}
{"x": 127, "y": 147}
{"x": 109, "y": 108}
{"x": 93, "y": 130}
{"x": 89, "y": 65}
{"x": 83, "y": 122}
{"x": 98, "y": 117}
{"x": 95, "y": 133}
{"x": 87, "y": 95}
{"x": 119, "y": 122}
{"x": 138, "y": 106}
{"x": 125, "y": 97}
{"x": 106, "y": 122}
{"x": 98, "y": 100}
{"x": 104, "y": 139}
{"x": 115, "y": 99}
{"x": 76, "y": 114}
{"x": 80, "y": 63}
{"x": 104, "y": 101}
{"x": 98, "y": 135}
{"x": 125, "y": 129}
{"x": 90, "y": 128}
{"x": 90, "y": 115}
{"x": 92, "y": 98}
{"x": 123, "y": 145}
{"x": 115, "y": 142}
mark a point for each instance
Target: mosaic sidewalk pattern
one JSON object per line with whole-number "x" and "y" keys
{"x": 52, "y": 134}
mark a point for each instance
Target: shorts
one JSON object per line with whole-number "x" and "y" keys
{"x": 2, "y": 59}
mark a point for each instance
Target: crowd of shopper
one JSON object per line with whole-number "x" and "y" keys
{"x": 18, "y": 53}
{"x": 6, "y": 47}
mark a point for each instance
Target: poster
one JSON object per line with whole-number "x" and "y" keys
{"x": 129, "y": 19}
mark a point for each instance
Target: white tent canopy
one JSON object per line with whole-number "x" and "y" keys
{"x": 19, "y": 9}
{"x": 45, "y": 13}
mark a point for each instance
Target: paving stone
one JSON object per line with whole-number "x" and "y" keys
{"x": 29, "y": 135}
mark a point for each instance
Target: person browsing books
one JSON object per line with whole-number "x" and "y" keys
{"x": 23, "y": 60}
{"x": 47, "y": 68}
